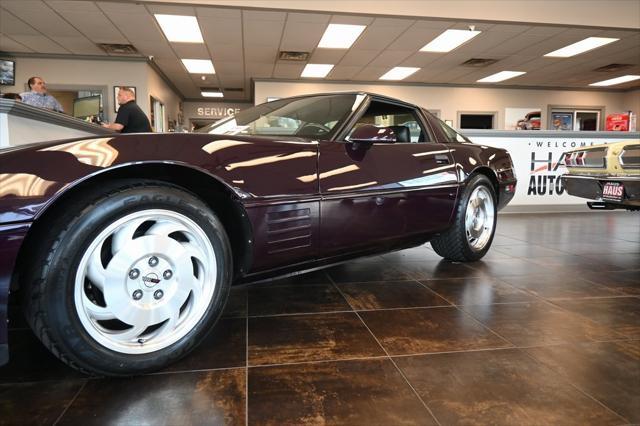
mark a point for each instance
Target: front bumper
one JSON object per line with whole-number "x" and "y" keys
{"x": 590, "y": 187}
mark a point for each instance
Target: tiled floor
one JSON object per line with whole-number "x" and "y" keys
{"x": 544, "y": 330}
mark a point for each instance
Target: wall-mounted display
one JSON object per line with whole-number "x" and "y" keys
{"x": 561, "y": 121}
{"x": 116, "y": 90}
{"x": 7, "y": 72}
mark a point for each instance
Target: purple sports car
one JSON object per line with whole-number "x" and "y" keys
{"x": 124, "y": 248}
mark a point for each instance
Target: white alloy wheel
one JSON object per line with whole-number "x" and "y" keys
{"x": 145, "y": 281}
{"x": 479, "y": 218}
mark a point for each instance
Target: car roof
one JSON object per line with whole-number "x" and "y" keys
{"x": 352, "y": 92}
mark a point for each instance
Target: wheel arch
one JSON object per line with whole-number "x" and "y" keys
{"x": 217, "y": 195}
{"x": 491, "y": 175}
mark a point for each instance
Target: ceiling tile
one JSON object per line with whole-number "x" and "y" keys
{"x": 171, "y": 9}
{"x": 351, "y": 20}
{"x": 254, "y": 15}
{"x": 7, "y": 44}
{"x": 40, "y": 44}
{"x": 286, "y": 70}
{"x": 433, "y": 24}
{"x": 79, "y": 45}
{"x": 217, "y": 31}
{"x": 127, "y": 8}
{"x": 414, "y": 38}
{"x": 191, "y": 50}
{"x": 11, "y": 25}
{"x": 231, "y": 53}
{"x": 72, "y": 6}
{"x": 261, "y": 54}
{"x": 380, "y": 34}
{"x": 371, "y": 73}
{"x": 219, "y": 13}
{"x": 155, "y": 49}
{"x": 96, "y": 26}
{"x": 359, "y": 57}
{"x": 314, "y": 18}
{"x": 262, "y": 33}
{"x": 421, "y": 59}
{"x": 390, "y": 59}
{"x": 327, "y": 56}
{"x": 301, "y": 36}
{"x": 259, "y": 69}
{"x": 44, "y": 19}
{"x": 343, "y": 73}
{"x": 137, "y": 28}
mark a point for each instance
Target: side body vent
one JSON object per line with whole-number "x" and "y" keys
{"x": 288, "y": 230}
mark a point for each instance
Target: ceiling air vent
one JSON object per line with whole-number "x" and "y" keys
{"x": 612, "y": 67}
{"x": 118, "y": 49}
{"x": 478, "y": 62}
{"x": 234, "y": 89}
{"x": 293, "y": 56}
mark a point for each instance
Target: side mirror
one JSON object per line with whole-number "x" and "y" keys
{"x": 370, "y": 134}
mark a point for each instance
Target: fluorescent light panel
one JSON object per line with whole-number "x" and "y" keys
{"x": 208, "y": 94}
{"x": 340, "y": 36}
{"x": 180, "y": 29}
{"x": 581, "y": 47}
{"x": 399, "y": 73}
{"x": 199, "y": 66}
{"x": 316, "y": 70}
{"x": 501, "y": 76}
{"x": 617, "y": 80}
{"x": 449, "y": 40}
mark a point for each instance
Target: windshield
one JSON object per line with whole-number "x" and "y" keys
{"x": 312, "y": 117}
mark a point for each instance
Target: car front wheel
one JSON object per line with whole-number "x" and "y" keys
{"x": 471, "y": 234}
{"x": 129, "y": 279}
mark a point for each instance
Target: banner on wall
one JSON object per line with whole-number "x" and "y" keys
{"x": 538, "y": 164}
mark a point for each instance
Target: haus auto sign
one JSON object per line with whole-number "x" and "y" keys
{"x": 538, "y": 160}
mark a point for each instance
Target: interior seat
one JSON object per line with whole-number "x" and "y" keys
{"x": 402, "y": 133}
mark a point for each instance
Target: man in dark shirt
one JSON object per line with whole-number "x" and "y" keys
{"x": 130, "y": 118}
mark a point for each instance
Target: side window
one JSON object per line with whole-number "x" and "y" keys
{"x": 402, "y": 120}
{"x": 451, "y": 135}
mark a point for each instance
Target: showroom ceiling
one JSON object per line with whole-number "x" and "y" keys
{"x": 244, "y": 44}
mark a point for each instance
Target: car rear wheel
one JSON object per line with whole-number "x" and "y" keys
{"x": 130, "y": 279}
{"x": 471, "y": 234}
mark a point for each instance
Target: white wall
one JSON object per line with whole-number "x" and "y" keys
{"x": 71, "y": 74}
{"x": 162, "y": 92}
{"x": 450, "y": 100}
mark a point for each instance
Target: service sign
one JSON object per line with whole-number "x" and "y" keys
{"x": 537, "y": 156}
{"x": 213, "y": 110}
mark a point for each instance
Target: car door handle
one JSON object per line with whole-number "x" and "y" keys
{"x": 442, "y": 159}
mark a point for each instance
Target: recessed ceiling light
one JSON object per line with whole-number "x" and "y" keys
{"x": 340, "y": 36}
{"x": 212, "y": 94}
{"x": 581, "y": 47}
{"x": 199, "y": 66}
{"x": 399, "y": 73}
{"x": 449, "y": 40}
{"x": 316, "y": 70}
{"x": 501, "y": 76}
{"x": 617, "y": 80}
{"x": 180, "y": 29}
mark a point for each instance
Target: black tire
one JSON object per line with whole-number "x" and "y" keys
{"x": 454, "y": 244}
{"x": 50, "y": 304}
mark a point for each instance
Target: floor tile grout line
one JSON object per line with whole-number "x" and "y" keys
{"x": 468, "y": 314}
{"x": 568, "y": 380}
{"x": 57, "y": 421}
{"x": 415, "y": 392}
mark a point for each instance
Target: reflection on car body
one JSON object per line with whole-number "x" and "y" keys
{"x": 127, "y": 246}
